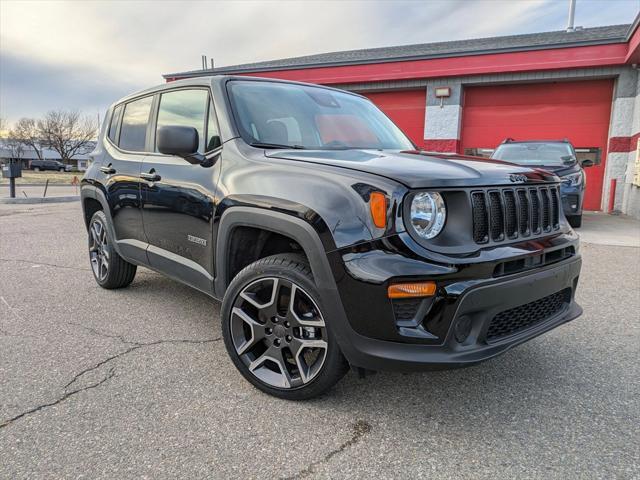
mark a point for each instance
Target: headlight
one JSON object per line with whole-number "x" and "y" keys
{"x": 428, "y": 214}
{"x": 573, "y": 179}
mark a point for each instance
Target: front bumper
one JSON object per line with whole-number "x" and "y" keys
{"x": 473, "y": 304}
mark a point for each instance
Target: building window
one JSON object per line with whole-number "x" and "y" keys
{"x": 588, "y": 153}
{"x": 479, "y": 152}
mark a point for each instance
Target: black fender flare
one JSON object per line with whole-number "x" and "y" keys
{"x": 277, "y": 222}
{"x": 303, "y": 233}
{"x": 93, "y": 192}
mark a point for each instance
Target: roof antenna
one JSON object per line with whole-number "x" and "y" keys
{"x": 211, "y": 64}
{"x": 572, "y": 14}
{"x": 203, "y": 59}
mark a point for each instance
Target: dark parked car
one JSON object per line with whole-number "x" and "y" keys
{"x": 557, "y": 156}
{"x": 330, "y": 239}
{"x": 39, "y": 165}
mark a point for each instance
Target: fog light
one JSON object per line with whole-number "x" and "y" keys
{"x": 462, "y": 329}
{"x": 411, "y": 290}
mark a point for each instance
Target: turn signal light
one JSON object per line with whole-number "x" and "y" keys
{"x": 378, "y": 206}
{"x": 411, "y": 290}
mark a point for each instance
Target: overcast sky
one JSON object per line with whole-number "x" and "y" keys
{"x": 86, "y": 54}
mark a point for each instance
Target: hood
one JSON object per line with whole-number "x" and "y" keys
{"x": 422, "y": 170}
{"x": 558, "y": 169}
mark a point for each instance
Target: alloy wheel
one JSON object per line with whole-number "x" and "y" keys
{"x": 278, "y": 332}
{"x": 98, "y": 251}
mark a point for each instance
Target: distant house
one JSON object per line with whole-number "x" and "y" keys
{"x": 78, "y": 162}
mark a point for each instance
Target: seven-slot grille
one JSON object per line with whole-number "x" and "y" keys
{"x": 508, "y": 213}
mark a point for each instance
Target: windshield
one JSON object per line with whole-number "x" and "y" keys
{"x": 535, "y": 153}
{"x": 298, "y": 116}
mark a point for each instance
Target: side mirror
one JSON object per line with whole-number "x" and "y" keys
{"x": 180, "y": 141}
{"x": 587, "y": 163}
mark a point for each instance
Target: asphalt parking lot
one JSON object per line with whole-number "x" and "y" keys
{"x": 136, "y": 384}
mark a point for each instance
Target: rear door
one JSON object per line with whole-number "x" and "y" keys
{"x": 178, "y": 198}
{"x": 125, "y": 149}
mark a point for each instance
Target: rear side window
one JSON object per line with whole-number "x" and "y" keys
{"x": 186, "y": 108}
{"x": 113, "y": 125}
{"x": 133, "y": 132}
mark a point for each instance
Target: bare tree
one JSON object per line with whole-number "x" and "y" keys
{"x": 15, "y": 147}
{"x": 67, "y": 132}
{"x": 25, "y": 131}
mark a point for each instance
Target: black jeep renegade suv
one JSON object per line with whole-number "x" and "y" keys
{"x": 331, "y": 240}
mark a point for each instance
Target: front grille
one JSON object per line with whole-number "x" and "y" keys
{"x": 510, "y": 213}
{"x": 496, "y": 216}
{"x": 525, "y": 316}
{"x": 523, "y": 212}
{"x": 480, "y": 220}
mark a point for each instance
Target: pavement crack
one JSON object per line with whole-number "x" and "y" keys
{"x": 30, "y": 262}
{"x": 100, "y": 364}
{"x": 358, "y": 431}
{"x": 59, "y": 400}
{"x": 98, "y": 333}
{"x": 132, "y": 347}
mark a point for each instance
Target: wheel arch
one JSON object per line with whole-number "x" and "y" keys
{"x": 278, "y": 223}
{"x": 90, "y": 197}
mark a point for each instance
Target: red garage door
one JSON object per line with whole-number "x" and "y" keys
{"x": 406, "y": 108}
{"x": 578, "y": 111}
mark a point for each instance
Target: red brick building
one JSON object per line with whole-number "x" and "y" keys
{"x": 582, "y": 85}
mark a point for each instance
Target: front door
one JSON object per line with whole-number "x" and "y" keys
{"x": 121, "y": 166}
{"x": 178, "y": 198}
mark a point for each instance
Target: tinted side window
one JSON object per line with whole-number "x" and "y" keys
{"x": 113, "y": 125}
{"x": 213, "y": 135}
{"x": 134, "y": 125}
{"x": 185, "y": 108}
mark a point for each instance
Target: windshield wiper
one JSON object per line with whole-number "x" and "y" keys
{"x": 275, "y": 145}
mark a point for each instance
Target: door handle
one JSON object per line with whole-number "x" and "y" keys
{"x": 108, "y": 170}
{"x": 152, "y": 176}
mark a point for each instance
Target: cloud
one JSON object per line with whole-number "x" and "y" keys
{"x": 30, "y": 87}
{"x": 69, "y": 54}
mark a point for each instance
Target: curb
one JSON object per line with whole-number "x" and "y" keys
{"x": 51, "y": 184}
{"x": 69, "y": 198}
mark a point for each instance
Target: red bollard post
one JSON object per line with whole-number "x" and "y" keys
{"x": 612, "y": 195}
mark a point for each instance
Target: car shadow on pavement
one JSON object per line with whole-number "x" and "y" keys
{"x": 538, "y": 376}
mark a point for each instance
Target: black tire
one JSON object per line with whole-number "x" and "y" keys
{"x": 293, "y": 270}
{"x": 61, "y": 169}
{"x": 575, "y": 220}
{"x": 118, "y": 273}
